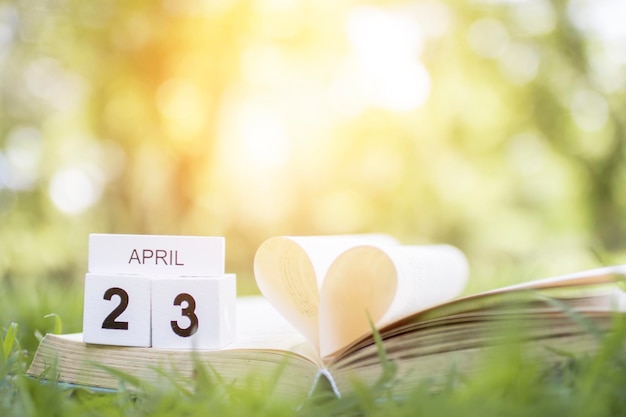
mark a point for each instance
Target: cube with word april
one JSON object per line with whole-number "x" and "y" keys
{"x": 117, "y": 310}
{"x": 129, "y": 274}
{"x": 193, "y": 312}
{"x": 156, "y": 255}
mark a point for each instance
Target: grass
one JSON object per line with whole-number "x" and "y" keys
{"x": 510, "y": 385}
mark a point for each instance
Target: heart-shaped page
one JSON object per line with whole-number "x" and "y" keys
{"x": 330, "y": 287}
{"x": 290, "y": 272}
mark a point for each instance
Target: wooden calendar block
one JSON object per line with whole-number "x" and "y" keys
{"x": 157, "y": 255}
{"x": 117, "y": 310}
{"x": 193, "y": 312}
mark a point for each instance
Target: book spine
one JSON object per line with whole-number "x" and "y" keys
{"x": 157, "y": 255}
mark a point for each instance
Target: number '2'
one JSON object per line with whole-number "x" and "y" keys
{"x": 110, "y": 321}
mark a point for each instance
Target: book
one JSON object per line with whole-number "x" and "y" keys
{"x": 330, "y": 305}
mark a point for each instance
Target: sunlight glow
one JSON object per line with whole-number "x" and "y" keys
{"x": 387, "y": 45}
{"x": 254, "y": 151}
{"x": 255, "y": 136}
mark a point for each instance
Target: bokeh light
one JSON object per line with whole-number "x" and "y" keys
{"x": 497, "y": 126}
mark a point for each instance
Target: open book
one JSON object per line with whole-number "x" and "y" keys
{"x": 324, "y": 295}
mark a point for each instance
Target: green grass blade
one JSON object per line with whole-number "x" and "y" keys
{"x": 58, "y": 323}
{"x": 389, "y": 367}
{"x": 9, "y": 341}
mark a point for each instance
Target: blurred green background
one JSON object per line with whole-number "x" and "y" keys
{"x": 497, "y": 126}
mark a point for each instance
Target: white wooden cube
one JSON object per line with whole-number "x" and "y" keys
{"x": 157, "y": 255}
{"x": 193, "y": 312}
{"x": 117, "y": 310}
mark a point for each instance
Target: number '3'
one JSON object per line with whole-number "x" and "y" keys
{"x": 188, "y": 311}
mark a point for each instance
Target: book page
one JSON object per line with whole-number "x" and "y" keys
{"x": 383, "y": 284}
{"x": 596, "y": 276}
{"x": 427, "y": 275}
{"x": 592, "y": 290}
{"x": 261, "y": 327}
{"x": 291, "y": 270}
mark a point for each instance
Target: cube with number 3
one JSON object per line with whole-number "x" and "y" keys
{"x": 193, "y": 312}
{"x": 117, "y": 310}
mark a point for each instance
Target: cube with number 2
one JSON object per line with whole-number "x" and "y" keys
{"x": 117, "y": 310}
{"x": 193, "y": 312}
